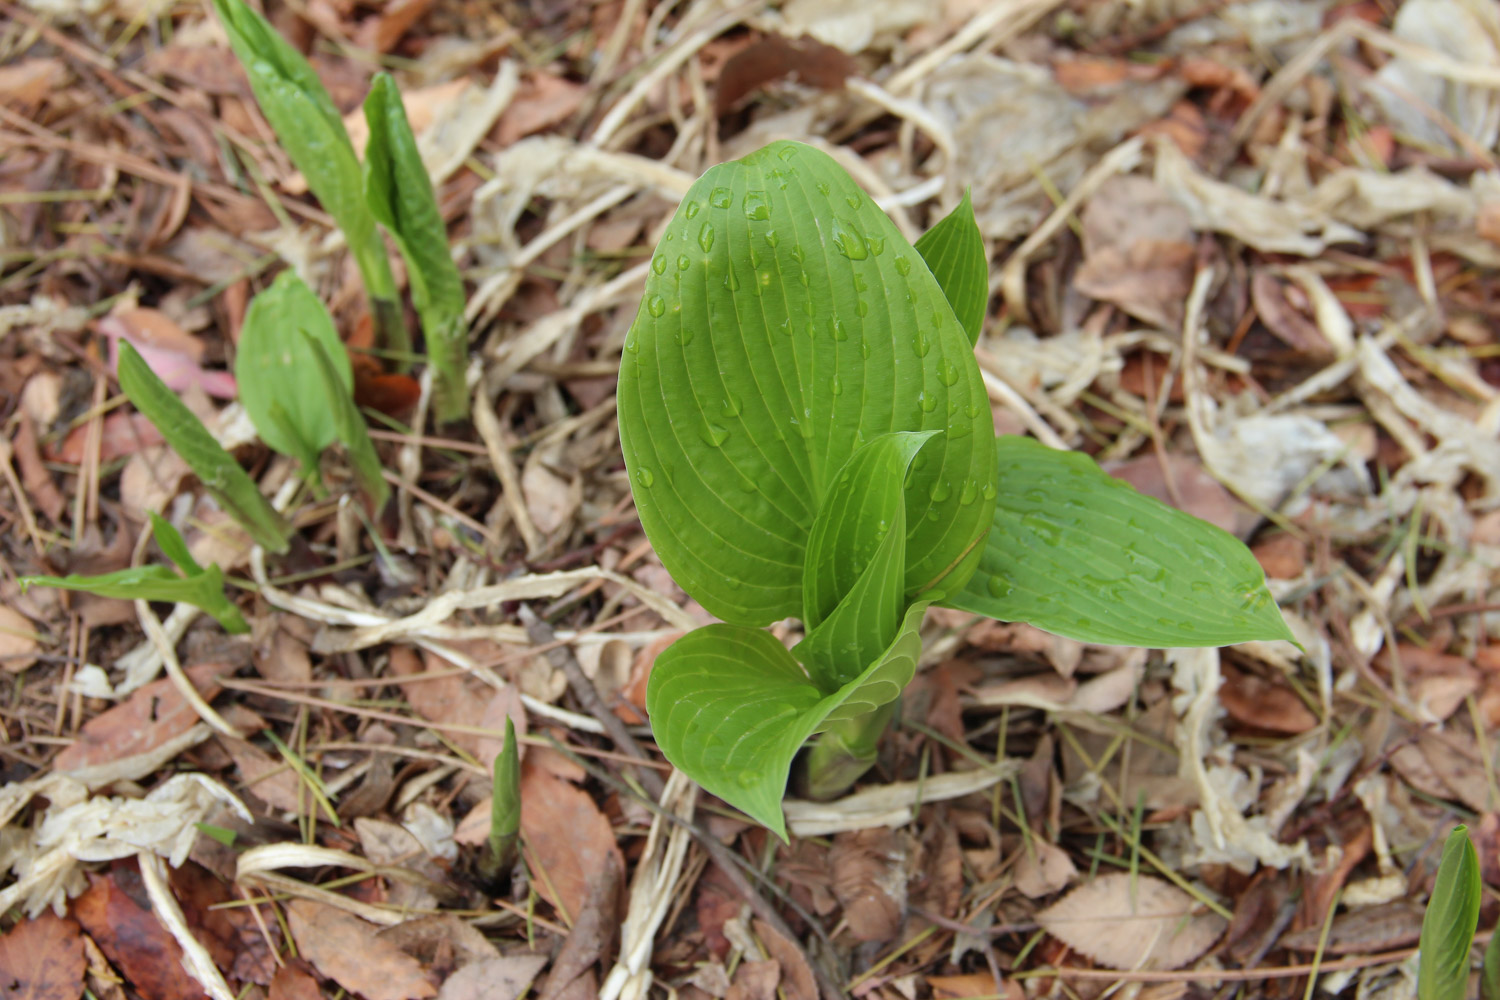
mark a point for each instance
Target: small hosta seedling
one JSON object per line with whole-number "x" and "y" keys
{"x": 807, "y": 435}
{"x": 1449, "y": 923}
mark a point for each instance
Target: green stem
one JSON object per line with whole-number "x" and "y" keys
{"x": 385, "y": 303}
{"x": 448, "y": 352}
{"x": 843, "y": 753}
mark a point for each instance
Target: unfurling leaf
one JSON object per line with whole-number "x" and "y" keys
{"x": 785, "y": 322}
{"x": 221, "y": 475}
{"x": 306, "y": 121}
{"x": 954, "y": 252}
{"x": 1450, "y": 921}
{"x": 202, "y": 588}
{"x": 1081, "y": 554}
{"x": 280, "y": 385}
{"x": 400, "y": 194}
{"x": 505, "y": 803}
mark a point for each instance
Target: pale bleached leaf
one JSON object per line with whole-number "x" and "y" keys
{"x": 1132, "y": 923}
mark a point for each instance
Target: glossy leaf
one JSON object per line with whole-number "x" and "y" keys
{"x": 731, "y": 707}
{"x": 786, "y": 321}
{"x": 400, "y": 194}
{"x": 349, "y": 425}
{"x": 308, "y": 125}
{"x": 280, "y": 385}
{"x": 856, "y": 561}
{"x": 202, "y": 588}
{"x": 1450, "y": 921}
{"x": 1489, "y": 973}
{"x": 1083, "y": 555}
{"x": 220, "y": 474}
{"x": 954, "y": 252}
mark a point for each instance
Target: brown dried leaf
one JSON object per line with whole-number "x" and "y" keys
{"x": 869, "y": 880}
{"x": 1286, "y": 320}
{"x": 972, "y": 984}
{"x": 294, "y": 982}
{"x": 503, "y": 978}
{"x": 594, "y": 928}
{"x": 134, "y": 941}
{"x": 568, "y": 840}
{"x": 1363, "y": 931}
{"x": 148, "y": 718}
{"x": 755, "y": 980}
{"x": 1126, "y": 922}
{"x": 1254, "y": 701}
{"x": 18, "y": 640}
{"x": 349, "y": 951}
{"x": 1043, "y": 869}
{"x": 270, "y": 779}
{"x": 41, "y": 491}
{"x": 541, "y": 101}
{"x": 443, "y": 699}
{"x": 797, "y": 980}
{"x": 1138, "y": 251}
{"x": 776, "y": 57}
{"x": 42, "y": 959}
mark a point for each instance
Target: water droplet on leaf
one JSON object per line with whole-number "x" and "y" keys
{"x": 706, "y": 237}
{"x": 756, "y": 207}
{"x": 656, "y": 305}
{"x": 712, "y": 434}
{"x": 721, "y": 198}
{"x": 848, "y": 240}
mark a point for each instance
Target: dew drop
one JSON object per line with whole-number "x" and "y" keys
{"x": 864, "y": 347}
{"x": 948, "y": 373}
{"x": 940, "y": 491}
{"x": 969, "y": 493}
{"x": 659, "y": 264}
{"x": 927, "y": 400}
{"x": 987, "y": 491}
{"x": 1035, "y": 496}
{"x": 656, "y": 305}
{"x": 755, "y": 206}
{"x": 836, "y": 386}
{"x": 876, "y": 245}
{"x": 785, "y": 153}
{"x": 712, "y": 434}
{"x": 692, "y": 209}
{"x": 840, "y": 332}
{"x": 812, "y": 329}
{"x": 862, "y": 307}
{"x": 848, "y": 240}
{"x": 764, "y": 277}
{"x": 633, "y": 345}
{"x": 731, "y": 280}
{"x": 754, "y": 257}
{"x": 683, "y": 263}
{"x": 706, "y": 237}
{"x": 822, "y": 187}
{"x": 721, "y": 198}
{"x": 802, "y": 278}
{"x": 796, "y": 254}
{"x": 903, "y": 266}
{"x": 731, "y": 404}
{"x": 920, "y": 344}
{"x": 685, "y": 336}
{"x": 999, "y": 588}
{"x": 1202, "y": 587}
{"x": 772, "y": 240}
{"x": 645, "y": 477}
{"x": 1045, "y": 531}
{"x": 860, "y": 284}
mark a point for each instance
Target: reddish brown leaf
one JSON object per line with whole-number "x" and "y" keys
{"x": 230, "y": 933}
{"x": 293, "y": 982}
{"x": 42, "y": 959}
{"x": 797, "y": 980}
{"x": 134, "y": 942}
{"x": 447, "y": 698}
{"x": 541, "y": 101}
{"x": 572, "y": 976}
{"x": 870, "y": 882}
{"x": 41, "y": 491}
{"x": 568, "y": 840}
{"x": 349, "y": 951}
{"x": 1263, "y": 704}
{"x": 392, "y": 395}
{"x": 775, "y": 57}
{"x": 1283, "y": 557}
{"x": 141, "y": 723}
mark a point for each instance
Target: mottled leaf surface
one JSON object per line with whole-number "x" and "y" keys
{"x": 1083, "y": 555}
{"x": 786, "y": 322}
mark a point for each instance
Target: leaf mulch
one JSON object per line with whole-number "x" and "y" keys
{"x": 1244, "y": 254}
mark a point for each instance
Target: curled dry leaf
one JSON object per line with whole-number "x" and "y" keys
{"x": 349, "y": 951}
{"x": 1132, "y": 923}
{"x": 1138, "y": 251}
{"x": 869, "y": 880}
{"x": 18, "y": 640}
{"x": 134, "y": 941}
{"x": 797, "y": 980}
{"x": 150, "y": 717}
{"x": 1264, "y": 704}
{"x": 42, "y": 959}
{"x": 568, "y": 840}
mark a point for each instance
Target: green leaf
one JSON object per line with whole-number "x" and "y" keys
{"x": 306, "y": 121}
{"x": 1450, "y": 921}
{"x": 785, "y": 322}
{"x": 280, "y": 385}
{"x": 856, "y": 562}
{"x": 172, "y": 546}
{"x": 203, "y": 590}
{"x": 731, "y": 707}
{"x": 221, "y": 475}
{"x": 505, "y": 805}
{"x": 400, "y": 194}
{"x": 349, "y": 426}
{"x": 1083, "y": 555}
{"x": 1489, "y": 975}
{"x": 954, "y": 252}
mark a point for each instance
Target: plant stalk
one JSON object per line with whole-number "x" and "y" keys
{"x": 843, "y": 753}
{"x": 385, "y": 304}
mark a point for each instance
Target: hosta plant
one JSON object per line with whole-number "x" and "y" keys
{"x": 807, "y": 435}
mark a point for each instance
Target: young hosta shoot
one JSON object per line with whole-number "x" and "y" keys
{"x": 807, "y": 435}
{"x": 505, "y": 808}
{"x": 221, "y": 475}
{"x": 202, "y": 588}
{"x": 401, "y": 196}
{"x": 307, "y": 123}
{"x": 1450, "y": 921}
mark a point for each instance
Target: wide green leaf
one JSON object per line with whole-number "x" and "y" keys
{"x": 856, "y": 561}
{"x": 400, "y": 194}
{"x": 280, "y": 385}
{"x": 954, "y": 252}
{"x": 785, "y": 322}
{"x": 349, "y": 426}
{"x": 1083, "y": 555}
{"x": 1450, "y": 921}
{"x": 731, "y": 707}
{"x": 220, "y": 474}
{"x": 202, "y": 588}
